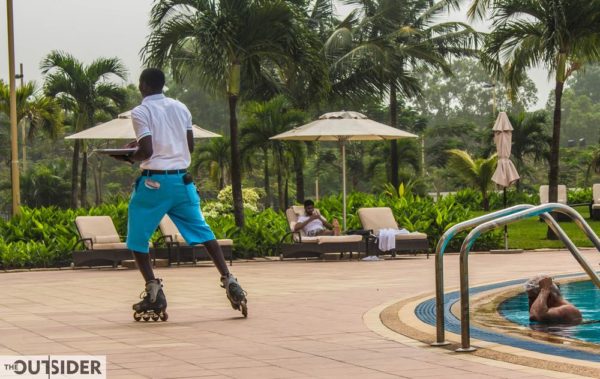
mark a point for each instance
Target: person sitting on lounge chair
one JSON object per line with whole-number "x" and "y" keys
{"x": 546, "y": 304}
{"x": 314, "y": 224}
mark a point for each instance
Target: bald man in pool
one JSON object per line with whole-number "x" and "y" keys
{"x": 546, "y": 304}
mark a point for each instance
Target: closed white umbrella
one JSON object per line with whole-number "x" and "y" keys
{"x": 343, "y": 126}
{"x": 122, "y": 128}
{"x": 506, "y": 172}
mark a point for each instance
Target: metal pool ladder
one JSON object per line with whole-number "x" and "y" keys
{"x": 486, "y": 223}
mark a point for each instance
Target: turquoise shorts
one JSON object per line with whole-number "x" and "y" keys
{"x": 148, "y": 206}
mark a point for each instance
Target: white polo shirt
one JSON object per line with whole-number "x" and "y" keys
{"x": 167, "y": 121}
{"x": 316, "y": 224}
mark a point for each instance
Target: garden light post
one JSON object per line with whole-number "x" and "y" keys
{"x": 21, "y": 77}
{"x": 14, "y": 148}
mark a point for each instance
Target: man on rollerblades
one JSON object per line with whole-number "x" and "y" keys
{"x": 163, "y": 128}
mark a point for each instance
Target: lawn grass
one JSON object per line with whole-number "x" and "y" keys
{"x": 530, "y": 234}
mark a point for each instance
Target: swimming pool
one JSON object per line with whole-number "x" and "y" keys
{"x": 584, "y": 295}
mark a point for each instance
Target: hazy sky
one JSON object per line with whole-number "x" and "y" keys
{"x": 89, "y": 29}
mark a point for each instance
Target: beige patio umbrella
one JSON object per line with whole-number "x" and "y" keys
{"x": 122, "y": 128}
{"x": 506, "y": 172}
{"x": 341, "y": 127}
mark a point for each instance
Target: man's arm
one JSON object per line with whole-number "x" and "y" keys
{"x": 144, "y": 149}
{"x": 300, "y": 225}
{"x": 143, "y": 152}
{"x": 565, "y": 312}
{"x": 190, "y": 140}
{"x": 324, "y": 221}
{"x": 539, "y": 308}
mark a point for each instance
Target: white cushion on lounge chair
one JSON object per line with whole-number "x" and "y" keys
{"x": 596, "y": 194}
{"x": 225, "y": 242}
{"x": 379, "y": 218}
{"x": 107, "y": 239}
{"x": 306, "y": 239}
{"x": 93, "y": 227}
{"x": 110, "y": 246}
{"x": 562, "y": 194}
{"x": 411, "y": 236}
{"x": 338, "y": 239}
{"x": 168, "y": 228}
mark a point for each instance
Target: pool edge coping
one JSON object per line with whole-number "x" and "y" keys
{"x": 398, "y": 321}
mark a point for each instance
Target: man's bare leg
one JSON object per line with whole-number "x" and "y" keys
{"x": 235, "y": 293}
{"x": 336, "y": 227}
{"x": 144, "y": 264}
{"x": 154, "y": 302}
{"x": 216, "y": 254}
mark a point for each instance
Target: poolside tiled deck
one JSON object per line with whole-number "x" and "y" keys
{"x": 307, "y": 319}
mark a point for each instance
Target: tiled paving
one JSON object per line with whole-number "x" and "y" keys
{"x": 306, "y": 319}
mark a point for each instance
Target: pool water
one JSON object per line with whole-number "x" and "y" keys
{"x": 584, "y": 295}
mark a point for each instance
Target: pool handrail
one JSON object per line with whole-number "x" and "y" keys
{"x": 439, "y": 262}
{"x": 542, "y": 211}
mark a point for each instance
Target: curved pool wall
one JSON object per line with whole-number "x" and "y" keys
{"x": 584, "y": 295}
{"x": 425, "y": 311}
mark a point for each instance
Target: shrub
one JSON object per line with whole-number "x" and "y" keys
{"x": 579, "y": 195}
{"x": 44, "y": 237}
{"x": 224, "y": 204}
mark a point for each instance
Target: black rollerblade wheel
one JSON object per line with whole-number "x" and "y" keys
{"x": 155, "y": 317}
{"x": 146, "y": 318}
{"x": 244, "y": 309}
{"x": 164, "y": 316}
{"x": 137, "y": 316}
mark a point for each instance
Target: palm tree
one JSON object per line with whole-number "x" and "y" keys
{"x": 298, "y": 152}
{"x": 399, "y": 37}
{"x": 559, "y": 35}
{"x": 215, "y": 156}
{"x": 476, "y": 172}
{"x": 83, "y": 90}
{"x": 263, "y": 121}
{"x": 407, "y": 154}
{"x": 530, "y": 139}
{"x": 231, "y": 46}
{"x": 35, "y": 112}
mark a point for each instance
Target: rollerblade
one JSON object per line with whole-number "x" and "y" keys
{"x": 235, "y": 294}
{"x": 154, "y": 303}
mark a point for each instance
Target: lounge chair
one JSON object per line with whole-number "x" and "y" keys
{"x": 375, "y": 219}
{"x": 174, "y": 240}
{"x": 595, "y": 205}
{"x": 562, "y": 194}
{"x": 100, "y": 241}
{"x": 561, "y": 199}
{"x": 301, "y": 246}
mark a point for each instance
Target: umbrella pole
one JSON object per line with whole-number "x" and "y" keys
{"x": 505, "y": 226}
{"x": 344, "y": 180}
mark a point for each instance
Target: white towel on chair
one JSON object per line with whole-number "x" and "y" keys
{"x": 387, "y": 238}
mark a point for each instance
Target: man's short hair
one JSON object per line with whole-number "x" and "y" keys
{"x": 153, "y": 78}
{"x": 309, "y": 203}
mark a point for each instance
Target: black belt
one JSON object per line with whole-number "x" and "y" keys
{"x": 163, "y": 172}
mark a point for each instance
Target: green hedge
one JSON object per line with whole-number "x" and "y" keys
{"x": 45, "y": 237}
